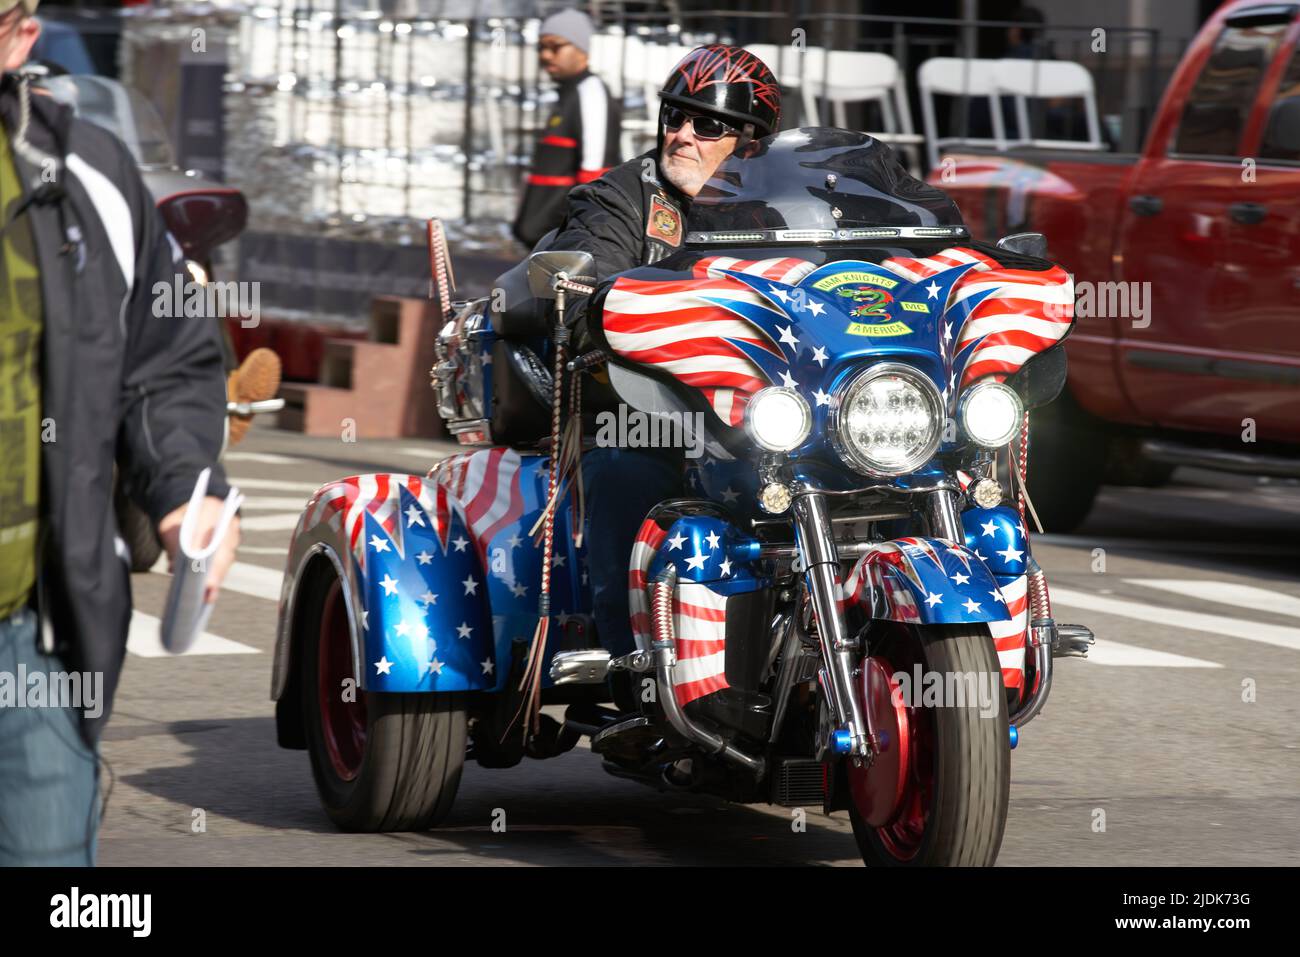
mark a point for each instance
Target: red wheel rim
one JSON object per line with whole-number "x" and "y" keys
{"x": 878, "y": 791}
{"x": 902, "y": 831}
{"x": 343, "y": 723}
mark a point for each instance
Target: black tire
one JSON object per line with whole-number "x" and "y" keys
{"x": 414, "y": 744}
{"x": 971, "y": 756}
{"x": 137, "y": 530}
{"x": 1125, "y": 465}
{"x": 1067, "y": 459}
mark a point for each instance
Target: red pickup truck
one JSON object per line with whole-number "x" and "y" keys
{"x": 1187, "y": 262}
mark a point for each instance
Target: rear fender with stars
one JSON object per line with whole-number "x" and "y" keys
{"x": 925, "y": 581}
{"x": 404, "y": 585}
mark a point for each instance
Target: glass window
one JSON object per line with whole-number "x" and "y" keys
{"x": 1225, "y": 91}
{"x": 1282, "y": 133}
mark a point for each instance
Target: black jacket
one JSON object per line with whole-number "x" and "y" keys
{"x": 629, "y": 217}
{"x": 118, "y": 384}
{"x": 578, "y": 144}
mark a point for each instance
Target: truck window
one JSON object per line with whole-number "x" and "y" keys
{"x": 1282, "y": 131}
{"x": 1225, "y": 92}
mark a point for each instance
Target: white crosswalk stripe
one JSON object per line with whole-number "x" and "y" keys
{"x": 275, "y": 522}
{"x": 275, "y": 485}
{"x": 266, "y": 503}
{"x": 1219, "y": 625}
{"x": 1106, "y": 652}
{"x": 145, "y": 640}
{"x": 256, "y": 580}
{"x": 265, "y": 458}
{"x": 1226, "y": 593}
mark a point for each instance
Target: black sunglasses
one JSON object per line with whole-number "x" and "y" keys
{"x": 705, "y": 127}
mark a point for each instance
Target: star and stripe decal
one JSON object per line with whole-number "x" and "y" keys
{"x": 736, "y": 326}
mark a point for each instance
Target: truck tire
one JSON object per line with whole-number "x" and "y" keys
{"x": 1125, "y": 465}
{"x": 1067, "y": 459}
{"x": 385, "y": 761}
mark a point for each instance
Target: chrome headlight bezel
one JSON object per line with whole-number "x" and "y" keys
{"x": 757, "y": 400}
{"x": 853, "y": 456}
{"x": 986, "y": 387}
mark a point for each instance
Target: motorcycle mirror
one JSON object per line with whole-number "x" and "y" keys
{"x": 1027, "y": 244}
{"x": 544, "y": 267}
{"x": 1041, "y": 379}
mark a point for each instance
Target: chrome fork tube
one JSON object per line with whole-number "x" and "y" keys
{"x": 812, "y": 528}
{"x": 785, "y": 671}
{"x": 941, "y": 515}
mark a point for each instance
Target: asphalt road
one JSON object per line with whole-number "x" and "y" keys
{"x": 1194, "y": 596}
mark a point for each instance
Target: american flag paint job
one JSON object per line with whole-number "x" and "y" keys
{"x": 924, "y": 580}
{"x": 461, "y": 535}
{"x": 733, "y": 326}
{"x": 997, "y": 536}
{"x": 699, "y": 547}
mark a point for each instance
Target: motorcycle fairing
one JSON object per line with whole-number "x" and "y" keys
{"x": 735, "y": 326}
{"x": 924, "y": 581}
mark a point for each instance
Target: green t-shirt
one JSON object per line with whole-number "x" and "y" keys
{"x": 20, "y": 394}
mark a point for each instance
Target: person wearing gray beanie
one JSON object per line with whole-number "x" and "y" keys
{"x": 570, "y": 25}
{"x": 580, "y": 139}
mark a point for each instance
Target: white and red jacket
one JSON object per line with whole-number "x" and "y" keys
{"x": 578, "y": 144}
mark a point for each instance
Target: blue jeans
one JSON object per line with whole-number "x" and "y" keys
{"x": 49, "y": 780}
{"x": 621, "y": 486}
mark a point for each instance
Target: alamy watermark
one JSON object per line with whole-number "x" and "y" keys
{"x": 183, "y": 298}
{"x": 632, "y": 429}
{"x": 948, "y": 689}
{"x": 82, "y": 690}
{"x": 1109, "y": 300}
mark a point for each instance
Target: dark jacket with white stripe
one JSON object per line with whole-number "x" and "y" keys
{"x": 579, "y": 142}
{"x": 118, "y": 384}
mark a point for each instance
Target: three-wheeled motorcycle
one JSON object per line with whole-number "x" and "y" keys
{"x": 842, "y": 612}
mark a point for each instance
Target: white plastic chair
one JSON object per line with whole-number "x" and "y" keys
{"x": 648, "y": 67}
{"x": 957, "y": 76}
{"x": 849, "y": 76}
{"x": 1050, "y": 79}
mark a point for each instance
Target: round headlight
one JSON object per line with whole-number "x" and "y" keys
{"x": 887, "y": 420}
{"x": 990, "y": 413}
{"x": 778, "y": 419}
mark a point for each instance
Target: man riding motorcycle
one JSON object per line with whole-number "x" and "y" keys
{"x": 713, "y": 103}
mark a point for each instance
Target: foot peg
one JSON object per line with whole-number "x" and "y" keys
{"x": 586, "y": 667}
{"x": 1072, "y": 641}
{"x": 638, "y": 661}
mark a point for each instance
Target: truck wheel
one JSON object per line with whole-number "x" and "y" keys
{"x": 1125, "y": 465}
{"x": 382, "y": 761}
{"x": 1067, "y": 457}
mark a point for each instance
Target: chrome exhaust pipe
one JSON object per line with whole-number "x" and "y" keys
{"x": 1041, "y": 632}
{"x": 1039, "y": 641}
{"x": 665, "y": 655}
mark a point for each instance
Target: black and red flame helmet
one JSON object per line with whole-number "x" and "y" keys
{"x": 729, "y": 82}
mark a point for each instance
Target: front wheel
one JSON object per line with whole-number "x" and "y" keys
{"x": 939, "y": 797}
{"x": 382, "y": 761}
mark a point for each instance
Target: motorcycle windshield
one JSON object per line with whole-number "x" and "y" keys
{"x": 818, "y": 185}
